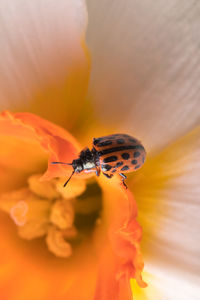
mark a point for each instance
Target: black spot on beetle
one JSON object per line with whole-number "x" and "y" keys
{"x": 137, "y": 167}
{"x": 120, "y": 141}
{"x": 125, "y": 168}
{"x": 105, "y": 143}
{"x": 120, "y": 148}
{"x": 136, "y": 154}
{"x": 134, "y": 162}
{"x": 125, "y": 155}
{"x": 143, "y": 159}
{"x": 119, "y": 164}
{"x": 132, "y": 140}
{"x": 110, "y": 159}
{"x": 113, "y": 171}
{"x": 96, "y": 141}
{"x": 106, "y": 167}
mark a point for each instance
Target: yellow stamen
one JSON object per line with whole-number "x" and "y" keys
{"x": 56, "y": 243}
{"x": 44, "y": 189}
{"x": 37, "y": 218}
{"x": 48, "y": 209}
{"x": 62, "y": 214}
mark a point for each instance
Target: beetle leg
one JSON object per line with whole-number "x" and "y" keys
{"x": 98, "y": 171}
{"x": 108, "y": 176}
{"x": 123, "y": 177}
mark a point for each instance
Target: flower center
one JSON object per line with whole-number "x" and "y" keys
{"x": 63, "y": 216}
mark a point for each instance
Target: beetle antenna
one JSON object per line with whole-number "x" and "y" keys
{"x": 60, "y": 162}
{"x": 69, "y": 179}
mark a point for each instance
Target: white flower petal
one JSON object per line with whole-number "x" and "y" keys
{"x": 41, "y": 46}
{"x": 146, "y": 66}
{"x": 168, "y": 194}
{"x": 169, "y": 284}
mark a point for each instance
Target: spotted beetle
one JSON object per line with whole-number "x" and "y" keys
{"x": 111, "y": 154}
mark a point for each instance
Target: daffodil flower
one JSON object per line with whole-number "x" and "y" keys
{"x": 86, "y": 241}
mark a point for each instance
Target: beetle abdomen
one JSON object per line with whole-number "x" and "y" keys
{"x": 119, "y": 153}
